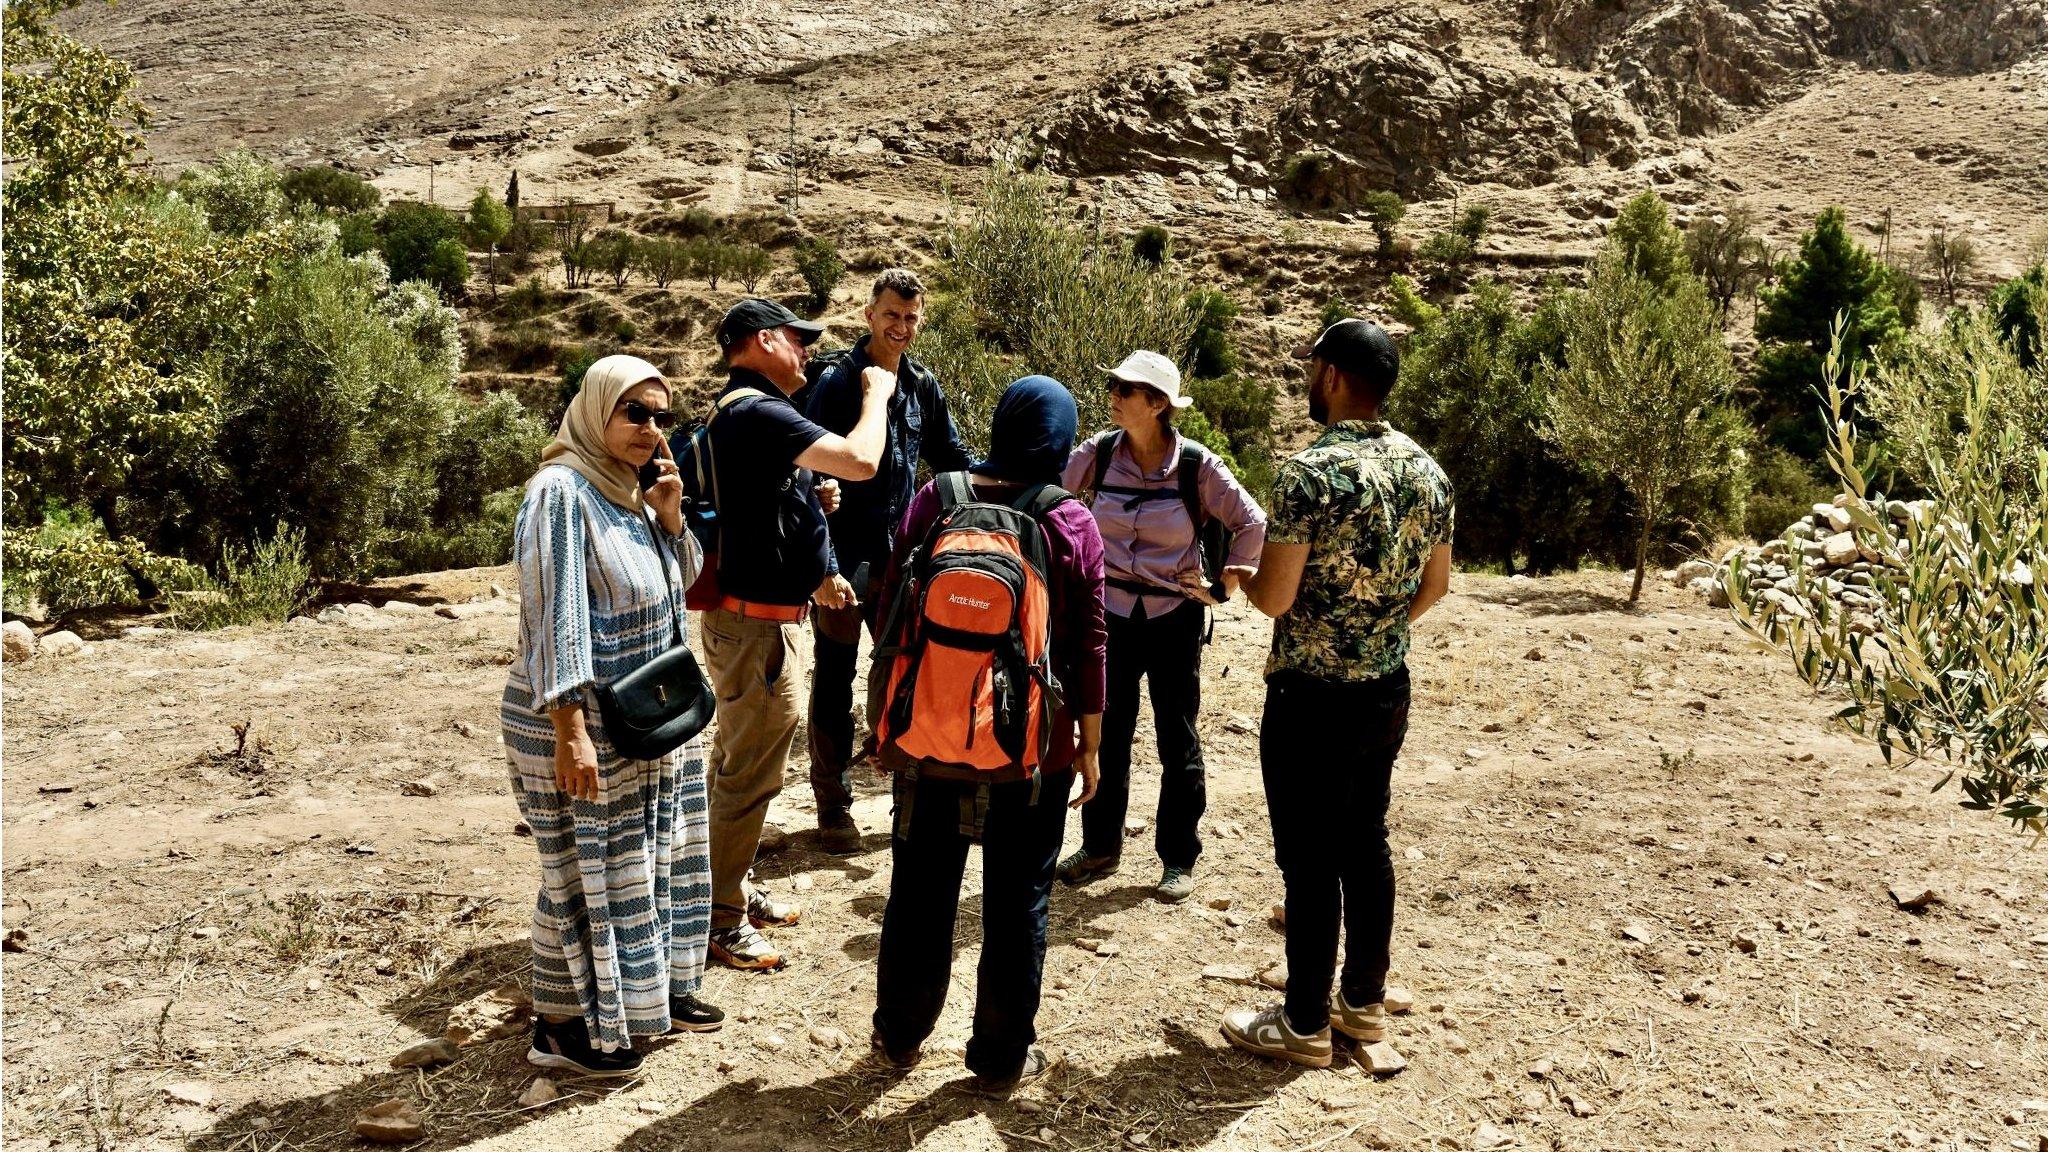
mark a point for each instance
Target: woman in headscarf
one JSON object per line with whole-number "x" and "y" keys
{"x": 1018, "y": 824}
{"x": 624, "y": 909}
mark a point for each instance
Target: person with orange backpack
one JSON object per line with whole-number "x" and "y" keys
{"x": 985, "y": 696}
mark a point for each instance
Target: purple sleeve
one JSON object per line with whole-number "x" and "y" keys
{"x": 1227, "y": 500}
{"x": 1079, "y": 633}
{"x": 917, "y": 520}
{"x": 1080, "y": 468}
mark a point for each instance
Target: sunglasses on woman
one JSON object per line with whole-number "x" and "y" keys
{"x": 1122, "y": 388}
{"x": 637, "y": 413}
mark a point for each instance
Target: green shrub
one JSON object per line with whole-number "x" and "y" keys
{"x": 1944, "y": 652}
{"x": 1241, "y": 408}
{"x": 1213, "y": 352}
{"x": 1152, "y": 245}
{"x": 1384, "y": 211}
{"x": 1334, "y": 309}
{"x": 358, "y": 233}
{"x": 818, "y": 262}
{"x": 527, "y": 346}
{"x": 330, "y": 189}
{"x": 67, "y": 562}
{"x": 663, "y": 260}
{"x": 262, "y": 583}
{"x": 423, "y": 242}
{"x": 239, "y": 193}
{"x": 2019, "y": 310}
{"x": 1783, "y": 488}
{"x": 749, "y": 264}
{"x": 1043, "y": 294}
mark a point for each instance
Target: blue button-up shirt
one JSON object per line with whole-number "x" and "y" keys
{"x": 920, "y": 428}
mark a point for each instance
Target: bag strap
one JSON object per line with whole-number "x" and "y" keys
{"x": 954, "y": 489}
{"x": 1190, "y": 477}
{"x": 1105, "y": 451}
{"x": 668, "y": 589}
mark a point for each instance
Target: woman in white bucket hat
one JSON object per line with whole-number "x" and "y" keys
{"x": 1156, "y": 494}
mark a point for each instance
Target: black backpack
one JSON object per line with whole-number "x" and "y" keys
{"x": 1212, "y": 540}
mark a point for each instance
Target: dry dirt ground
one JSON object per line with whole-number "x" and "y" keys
{"x": 1643, "y": 905}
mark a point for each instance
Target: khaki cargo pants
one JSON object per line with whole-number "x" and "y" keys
{"x": 754, "y": 670}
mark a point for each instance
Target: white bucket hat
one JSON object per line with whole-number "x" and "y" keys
{"x": 1153, "y": 371}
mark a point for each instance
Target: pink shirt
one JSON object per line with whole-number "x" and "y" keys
{"x": 1153, "y": 541}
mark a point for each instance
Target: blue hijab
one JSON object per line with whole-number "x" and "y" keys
{"x": 1032, "y": 433}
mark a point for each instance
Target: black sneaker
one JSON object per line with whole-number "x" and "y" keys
{"x": 1035, "y": 1065}
{"x": 567, "y": 1046}
{"x": 686, "y": 1013}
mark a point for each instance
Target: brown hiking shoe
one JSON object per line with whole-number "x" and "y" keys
{"x": 1367, "y": 1024}
{"x": 1035, "y": 1065}
{"x": 1080, "y": 866}
{"x": 838, "y": 835}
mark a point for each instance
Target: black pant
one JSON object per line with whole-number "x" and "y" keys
{"x": 835, "y": 650}
{"x": 1166, "y": 651}
{"x": 1020, "y": 844}
{"x": 1326, "y": 750}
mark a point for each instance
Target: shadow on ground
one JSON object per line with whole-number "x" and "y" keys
{"x": 1183, "y": 1097}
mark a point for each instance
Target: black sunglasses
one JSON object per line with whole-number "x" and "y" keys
{"x": 637, "y": 413}
{"x": 1121, "y": 387}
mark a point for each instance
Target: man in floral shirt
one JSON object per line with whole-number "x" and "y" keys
{"x": 1357, "y": 547}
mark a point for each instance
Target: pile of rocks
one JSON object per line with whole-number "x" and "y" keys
{"x": 1836, "y": 563}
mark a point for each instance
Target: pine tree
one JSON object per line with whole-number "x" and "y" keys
{"x": 1650, "y": 247}
{"x": 1831, "y": 276}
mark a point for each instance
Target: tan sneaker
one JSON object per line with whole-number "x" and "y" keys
{"x": 1367, "y": 1025}
{"x": 1264, "y": 1032}
{"x": 743, "y": 946}
{"x": 765, "y": 911}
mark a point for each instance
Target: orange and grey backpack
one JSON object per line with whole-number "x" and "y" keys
{"x": 962, "y": 685}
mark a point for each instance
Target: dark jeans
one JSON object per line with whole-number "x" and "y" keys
{"x": 1326, "y": 750}
{"x": 835, "y": 649}
{"x": 1166, "y": 651}
{"x": 1020, "y": 844}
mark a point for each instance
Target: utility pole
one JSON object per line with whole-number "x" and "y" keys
{"x": 430, "y": 181}
{"x": 796, "y": 172}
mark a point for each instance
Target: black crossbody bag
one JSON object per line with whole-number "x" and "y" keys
{"x": 652, "y": 710}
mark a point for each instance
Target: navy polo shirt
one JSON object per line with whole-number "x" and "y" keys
{"x": 773, "y": 546}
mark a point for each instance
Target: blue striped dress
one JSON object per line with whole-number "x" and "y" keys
{"x": 624, "y": 909}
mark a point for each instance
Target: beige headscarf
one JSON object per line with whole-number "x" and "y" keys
{"x": 579, "y": 443}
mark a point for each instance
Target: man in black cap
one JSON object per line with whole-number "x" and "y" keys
{"x": 1358, "y": 545}
{"x": 774, "y": 559}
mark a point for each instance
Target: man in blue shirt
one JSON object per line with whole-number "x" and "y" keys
{"x": 864, "y": 529}
{"x": 774, "y": 559}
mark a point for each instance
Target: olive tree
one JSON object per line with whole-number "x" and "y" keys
{"x": 1638, "y": 397}
{"x": 1944, "y": 655}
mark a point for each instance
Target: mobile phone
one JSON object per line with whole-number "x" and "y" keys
{"x": 650, "y": 473}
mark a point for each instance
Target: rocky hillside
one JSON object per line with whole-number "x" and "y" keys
{"x": 1205, "y": 114}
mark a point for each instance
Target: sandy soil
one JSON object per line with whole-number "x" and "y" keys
{"x": 1590, "y": 845}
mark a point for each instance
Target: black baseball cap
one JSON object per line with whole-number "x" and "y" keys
{"x": 754, "y": 314}
{"x": 1361, "y": 349}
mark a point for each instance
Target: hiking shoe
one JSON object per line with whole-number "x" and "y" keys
{"x": 1264, "y": 1032}
{"x": 764, "y": 911}
{"x": 567, "y": 1046}
{"x": 838, "y": 835}
{"x": 1081, "y": 867}
{"x": 1035, "y": 1065}
{"x": 1175, "y": 885}
{"x": 686, "y": 1013}
{"x": 901, "y": 1061}
{"x": 1367, "y": 1025}
{"x": 743, "y": 946}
